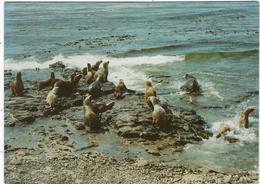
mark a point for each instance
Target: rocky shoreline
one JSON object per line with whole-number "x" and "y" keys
{"x": 53, "y": 155}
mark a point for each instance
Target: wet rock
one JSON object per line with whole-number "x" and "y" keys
{"x": 153, "y": 152}
{"x": 57, "y": 66}
{"x": 79, "y": 126}
{"x": 231, "y": 139}
{"x": 191, "y": 86}
{"x": 64, "y": 138}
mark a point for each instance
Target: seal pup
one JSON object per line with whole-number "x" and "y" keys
{"x": 243, "y": 119}
{"x": 158, "y": 114}
{"x": 149, "y": 91}
{"x": 65, "y": 87}
{"x": 223, "y": 128}
{"x": 91, "y": 119}
{"x": 191, "y": 87}
{"x": 52, "y": 97}
{"x": 48, "y": 82}
{"x": 102, "y": 72}
{"x": 95, "y": 89}
{"x": 89, "y": 77}
{"x": 95, "y": 67}
{"x": 17, "y": 85}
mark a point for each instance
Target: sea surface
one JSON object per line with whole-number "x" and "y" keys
{"x": 217, "y": 42}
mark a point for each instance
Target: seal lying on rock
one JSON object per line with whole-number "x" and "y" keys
{"x": 243, "y": 120}
{"x": 52, "y": 97}
{"x": 66, "y": 87}
{"x": 223, "y": 128}
{"x": 191, "y": 87}
{"x": 89, "y": 77}
{"x": 47, "y": 83}
{"x": 102, "y": 107}
{"x": 102, "y": 72}
{"x": 17, "y": 85}
{"x": 91, "y": 119}
{"x": 158, "y": 114}
{"x": 121, "y": 88}
{"x": 149, "y": 91}
{"x": 95, "y": 89}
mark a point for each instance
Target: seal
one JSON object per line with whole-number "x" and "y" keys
{"x": 158, "y": 114}
{"x": 89, "y": 77}
{"x": 120, "y": 88}
{"x": 76, "y": 81}
{"x": 191, "y": 87}
{"x": 17, "y": 85}
{"x": 48, "y": 83}
{"x": 102, "y": 107}
{"x": 91, "y": 119}
{"x": 149, "y": 91}
{"x": 243, "y": 119}
{"x": 66, "y": 87}
{"x": 52, "y": 97}
{"x": 95, "y": 89}
{"x": 102, "y": 72}
{"x": 95, "y": 67}
{"x": 223, "y": 128}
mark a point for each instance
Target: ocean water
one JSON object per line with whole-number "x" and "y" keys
{"x": 217, "y": 42}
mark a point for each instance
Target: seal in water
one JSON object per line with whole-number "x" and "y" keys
{"x": 158, "y": 114}
{"x": 149, "y": 91}
{"x": 223, "y": 128}
{"x": 102, "y": 72}
{"x": 191, "y": 87}
{"x": 17, "y": 85}
{"x": 48, "y": 83}
{"x": 91, "y": 119}
{"x": 243, "y": 119}
{"x": 52, "y": 97}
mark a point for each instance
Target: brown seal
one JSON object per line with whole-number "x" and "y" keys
{"x": 89, "y": 77}
{"x": 223, "y": 128}
{"x": 66, "y": 87}
{"x": 120, "y": 88}
{"x": 102, "y": 72}
{"x": 91, "y": 119}
{"x": 48, "y": 83}
{"x": 52, "y": 97}
{"x": 102, "y": 107}
{"x": 243, "y": 120}
{"x": 159, "y": 114}
{"x": 149, "y": 91}
{"x": 17, "y": 85}
{"x": 95, "y": 67}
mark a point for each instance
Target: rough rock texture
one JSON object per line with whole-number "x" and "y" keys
{"x": 29, "y": 166}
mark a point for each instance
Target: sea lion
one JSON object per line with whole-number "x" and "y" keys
{"x": 17, "y": 85}
{"x": 52, "y": 97}
{"x": 102, "y": 107}
{"x": 65, "y": 87}
{"x": 95, "y": 67}
{"x": 158, "y": 114}
{"x": 191, "y": 87}
{"x": 91, "y": 119}
{"x": 95, "y": 89}
{"x": 120, "y": 88}
{"x": 48, "y": 82}
{"x": 149, "y": 91}
{"x": 89, "y": 77}
{"x": 102, "y": 72}
{"x": 223, "y": 128}
{"x": 243, "y": 119}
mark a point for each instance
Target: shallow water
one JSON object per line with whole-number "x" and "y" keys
{"x": 215, "y": 41}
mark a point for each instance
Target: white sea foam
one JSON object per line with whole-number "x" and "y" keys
{"x": 120, "y": 68}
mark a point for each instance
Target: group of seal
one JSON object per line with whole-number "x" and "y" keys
{"x": 94, "y": 77}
